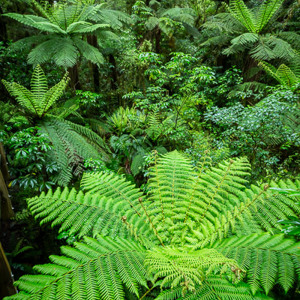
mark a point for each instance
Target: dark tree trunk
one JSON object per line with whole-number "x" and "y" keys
{"x": 157, "y": 40}
{"x": 3, "y": 29}
{"x": 114, "y": 74}
{"x": 74, "y": 78}
{"x": 92, "y": 40}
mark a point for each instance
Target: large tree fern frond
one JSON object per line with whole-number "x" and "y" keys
{"x": 93, "y": 269}
{"x": 268, "y": 259}
{"x": 88, "y": 214}
{"x": 266, "y": 12}
{"x": 242, "y": 13}
{"x": 89, "y": 52}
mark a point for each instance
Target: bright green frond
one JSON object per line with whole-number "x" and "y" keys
{"x": 266, "y": 12}
{"x": 93, "y": 269}
{"x": 23, "y": 96}
{"x": 268, "y": 259}
{"x": 39, "y": 85}
{"x": 28, "y": 20}
{"x": 85, "y": 27}
{"x": 54, "y": 93}
{"x": 84, "y": 214}
{"x": 178, "y": 267}
{"x": 214, "y": 287}
{"x": 243, "y": 14}
{"x": 284, "y": 75}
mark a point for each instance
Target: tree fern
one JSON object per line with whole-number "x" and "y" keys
{"x": 192, "y": 225}
{"x": 251, "y": 30}
{"x": 73, "y": 143}
{"x": 37, "y": 101}
{"x": 66, "y": 25}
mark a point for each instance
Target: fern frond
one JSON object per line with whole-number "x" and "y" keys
{"x": 284, "y": 75}
{"x": 29, "y": 20}
{"x": 23, "y": 96}
{"x": 93, "y": 269}
{"x": 39, "y": 84}
{"x": 266, "y": 11}
{"x": 89, "y": 52}
{"x": 91, "y": 137}
{"x": 214, "y": 287}
{"x": 241, "y": 12}
{"x": 268, "y": 259}
{"x": 186, "y": 269}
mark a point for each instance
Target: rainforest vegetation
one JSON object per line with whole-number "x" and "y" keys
{"x": 150, "y": 149}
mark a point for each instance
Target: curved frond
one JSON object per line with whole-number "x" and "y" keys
{"x": 23, "y": 96}
{"x": 266, "y": 11}
{"x": 242, "y": 13}
{"x": 93, "y": 269}
{"x": 89, "y": 52}
{"x": 268, "y": 259}
{"x": 186, "y": 269}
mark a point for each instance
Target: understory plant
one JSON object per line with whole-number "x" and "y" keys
{"x": 72, "y": 143}
{"x": 198, "y": 234}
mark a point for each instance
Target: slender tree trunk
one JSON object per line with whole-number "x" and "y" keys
{"x": 74, "y": 78}
{"x": 3, "y": 29}
{"x": 114, "y": 74}
{"x": 157, "y": 40}
{"x": 92, "y": 40}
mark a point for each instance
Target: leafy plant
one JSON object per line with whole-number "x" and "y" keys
{"x": 253, "y": 32}
{"x": 291, "y": 226}
{"x": 65, "y": 25}
{"x": 192, "y": 226}
{"x": 263, "y": 132}
{"x": 72, "y": 143}
{"x": 283, "y": 74}
{"x": 29, "y": 161}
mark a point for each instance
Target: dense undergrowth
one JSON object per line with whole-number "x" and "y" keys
{"x": 162, "y": 137}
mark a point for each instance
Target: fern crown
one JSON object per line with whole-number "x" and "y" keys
{"x": 72, "y": 142}
{"x": 66, "y": 25}
{"x": 192, "y": 226}
{"x": 40, "y": 99}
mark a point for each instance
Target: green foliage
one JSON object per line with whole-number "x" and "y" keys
{"x": 252, "y": 31}
{"x": 190, "y": 226}
{"x": 66, "y": 24}
{"x": 72, "y": 143}
{"x": 40, "y": 99}
{"x": 29, "y": 159}
{"x": 264, "y": 131}
{"x": 284, "y": 75}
